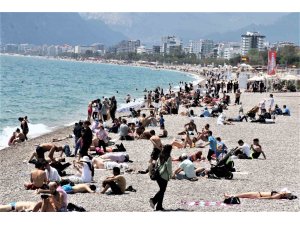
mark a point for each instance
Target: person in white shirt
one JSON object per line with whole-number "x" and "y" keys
{"x": 51, "y": 173}
{"x": 186, "y": 170}
{"x": 243, "y": 151}
{"x": 85, "y": 171}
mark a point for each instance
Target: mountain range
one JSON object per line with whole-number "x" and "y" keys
{"x": 55, "y": 28}
{"x": 149, "y": 27}
{"x": 110, "y": 28}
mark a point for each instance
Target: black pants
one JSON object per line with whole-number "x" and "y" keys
{"x": 112, "y": 114}
{"x": 84, "y": 150}
{"x": 102, "y": 143}
{"x": 114, "y": 187}
{"x": 159, "y": 197}
{"x": 104, "y": 117}
{"x": 237, "y": 100}
{"x": 209, "y": 154}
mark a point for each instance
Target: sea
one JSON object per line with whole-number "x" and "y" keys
{"x": 55, "y": 93}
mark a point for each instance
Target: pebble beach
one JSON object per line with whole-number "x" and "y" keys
{"x": 281, "y": 168}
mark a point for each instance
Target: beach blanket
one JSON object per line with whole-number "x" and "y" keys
{"x": 203, "y": 203}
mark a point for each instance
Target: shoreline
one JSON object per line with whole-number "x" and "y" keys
{"x": 198, "y": 79}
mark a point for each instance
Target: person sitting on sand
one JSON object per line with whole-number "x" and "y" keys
{"x": 38, "y": 178}
{"x": 164, "y": 132}
{"x": 286, "y": 111}
{"x": 117, "y": 183}
{"x": 277, "y": 110}
{"x": 51, "y": 203}
{"x": 222, "y": 119}
{"x": 243, "y": 151}
{"x": 190, "y": 127}
{"x": 11, "y": 139}
{"x": 204, "y": 134}
{"x": 186, "y": 169}
{"x": 85, "y": 171}
{"x": 19, "y": 137}
{"x": 79, "y": 188}
{"x": 252, "y": 112}
{"x": 100, "y": 163}
{"x": 18, "y": 207}
{"x": 51, "y": 173}
{"x": 205, "y": 113}
{"x": 257, "y": 149}
{"x": 283, "y": 194}
{"x": 124, "y": 131}
{"x": 41, "y": 149}
{"x": 221, "y": 149}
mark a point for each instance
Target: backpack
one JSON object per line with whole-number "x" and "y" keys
{"x": 120, "y": 148}
{"x": 232, "y": 200}
{"x": 67, "y": 150}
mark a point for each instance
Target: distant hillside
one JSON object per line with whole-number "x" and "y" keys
{"x": 286, "y": 28}
{"x": 54, "y": 28}
{"x": 149, "y": 27}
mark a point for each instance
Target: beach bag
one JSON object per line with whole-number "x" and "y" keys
{"x": 232, "y": 200}
{"x": 67, "y": 150}
{"x": 154, "y": 171}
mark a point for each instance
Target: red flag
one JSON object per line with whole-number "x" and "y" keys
{"x": 271, "y": 62}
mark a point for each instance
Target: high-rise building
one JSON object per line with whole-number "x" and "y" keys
{"x": 195, "y": 47}
{"x": 207, "y": 48}
{"x": 252, "y": 41}
{"x": 128, "y": 46}
{"x": 170, "y": 45}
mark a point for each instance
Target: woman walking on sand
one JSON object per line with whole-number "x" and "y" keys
{"x": 165, "y": 173}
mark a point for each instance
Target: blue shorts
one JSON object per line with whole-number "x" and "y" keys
{"x": 68, "y": 188}
{"x": 13, "y": 206}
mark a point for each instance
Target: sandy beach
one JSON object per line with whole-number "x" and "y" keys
{"x": 281, "y": 169}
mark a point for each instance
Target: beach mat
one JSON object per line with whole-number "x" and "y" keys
{"x": 203, "y": 203}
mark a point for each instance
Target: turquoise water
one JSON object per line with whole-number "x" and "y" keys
{"x": 55, "y": 93}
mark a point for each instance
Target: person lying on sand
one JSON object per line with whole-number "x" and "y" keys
{"x": 100, "y": 163}
{"x": 18, "y": 207}
{"x": 196, "y": 156}
{"x": 72, "y": 189}
{"x": 283, "y": 194}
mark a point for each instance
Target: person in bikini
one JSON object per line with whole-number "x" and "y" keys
{"x": 18, "y": 207}
{"x": 19, "y": 137}
{"x": 283, "y": 194}
{"x": 189, "y": 127}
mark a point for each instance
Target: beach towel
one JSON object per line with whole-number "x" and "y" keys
{"x": 203, "y": 203}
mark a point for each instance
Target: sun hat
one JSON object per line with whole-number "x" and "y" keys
{"x": 85, "y": 159}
